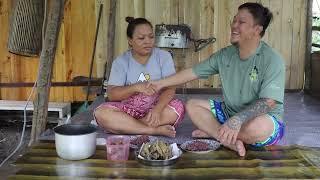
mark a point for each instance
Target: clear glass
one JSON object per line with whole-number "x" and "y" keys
{"x": 117, "y": 148}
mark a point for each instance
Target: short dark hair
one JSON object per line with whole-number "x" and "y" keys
{"x": 261, "y": 14}
{"x": 133, "y": 23}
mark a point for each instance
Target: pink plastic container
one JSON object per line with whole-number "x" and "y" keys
{"x": 117, "y": 148}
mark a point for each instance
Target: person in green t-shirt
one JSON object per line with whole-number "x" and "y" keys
{"x": 253, "y": 79}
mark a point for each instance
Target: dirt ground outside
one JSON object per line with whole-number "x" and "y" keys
{"x": 11, "y": 126}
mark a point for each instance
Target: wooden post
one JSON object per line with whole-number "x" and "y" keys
{"x": 40, "y": 112}
{"x": 308, "y": 73}
{"x": 110, "y": 40}
{"x": 111, "y": 36}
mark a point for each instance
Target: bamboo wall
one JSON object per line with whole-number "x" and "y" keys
{"x": 207, "y": 18}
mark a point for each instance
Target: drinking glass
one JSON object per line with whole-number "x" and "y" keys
{"x": 117, "y": 147}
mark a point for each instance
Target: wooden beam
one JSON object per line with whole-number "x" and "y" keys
{"x": 315, "y": 45}
{"x": 53, "y": 84}
{"x": 316, "y": 28}
{"x": 40, "y": 112}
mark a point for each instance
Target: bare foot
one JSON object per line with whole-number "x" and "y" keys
{"x": 240, "y": 148}
{"x": 199, "y": 134}
{"x": 166, "y": 130}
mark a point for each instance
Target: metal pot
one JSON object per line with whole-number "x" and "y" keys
{"x": 75, "y": 142}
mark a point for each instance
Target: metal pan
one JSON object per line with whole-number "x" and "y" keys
{"x": 176, "y": 155}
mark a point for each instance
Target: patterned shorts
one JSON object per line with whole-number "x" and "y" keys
{"x": 139, "y": 105}
{"x": 218, "y": 110}
{"x": 276, "y": 135}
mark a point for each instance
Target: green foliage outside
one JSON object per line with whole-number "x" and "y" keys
{"x": 316, "y": 34}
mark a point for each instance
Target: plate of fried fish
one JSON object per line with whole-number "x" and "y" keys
{"x": 158, "y": 153}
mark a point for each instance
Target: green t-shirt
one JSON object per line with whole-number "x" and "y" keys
{"x": 262, "y": 75}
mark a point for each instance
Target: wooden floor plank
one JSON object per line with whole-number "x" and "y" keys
{"x": 34, "y": 177}
{"x": 42, "y": 162}
{"x": 180, "y": 164}
{"x": 220, "y": 154}
{"x": 157, "y": 172}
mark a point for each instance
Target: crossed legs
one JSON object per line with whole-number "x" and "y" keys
{"x": 255, "y": 130}
{"x": 118, "y": 122}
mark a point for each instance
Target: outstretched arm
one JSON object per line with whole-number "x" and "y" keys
{"x": 229, "y": 131}
{"x": 176, "y": 79}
